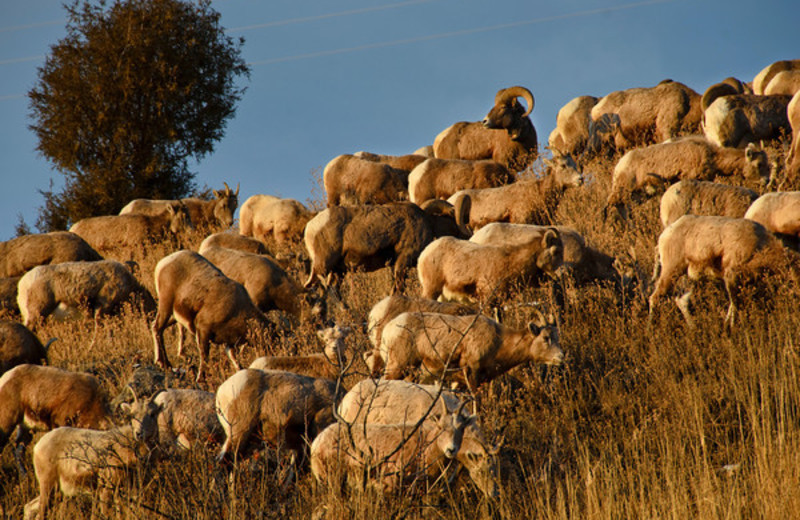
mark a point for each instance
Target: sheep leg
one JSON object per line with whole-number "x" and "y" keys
{"x": 159, "y": 324}
{"x": 204, "y": 346}
{"x": 732, "y": 288}
{"x": 684, "y": 305}
{"x": 231, "y": 352}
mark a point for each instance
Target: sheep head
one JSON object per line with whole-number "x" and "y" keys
{"x": 508, "y": 113}
{"x": 544, "y": 346}
{"x": 552, "y": 255}
{"x": 756, "y": 164}
{"x": 226, "y": 204}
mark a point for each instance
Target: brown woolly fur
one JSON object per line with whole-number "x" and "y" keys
{"x": 764, "y": 77}
{"x": 18, "y": 346}
{"x": 573, "y": 124}
{"x": 351, "y": 180}
{"x": 203, "y": 214}
{"x": 736, "y": 120}
{"x": 704, "y": 198}
{"x": 20, "y": 254}
{"x": 440, "y": 178}
{"x": 785, "y": 82}
{"x": 779, "y": 212}
{"x": 231, "y": 240}
{"x": 401, "y": 162}
{"x": 265, "y": 217}
{"x": 793, "y": 158}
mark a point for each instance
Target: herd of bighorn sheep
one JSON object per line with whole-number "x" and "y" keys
{"x": 473, "y": 215}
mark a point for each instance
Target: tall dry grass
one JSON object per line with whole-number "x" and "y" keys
{"x": 660, "y": 422}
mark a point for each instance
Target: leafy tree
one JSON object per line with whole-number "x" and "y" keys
{"x": 122, "y": 103}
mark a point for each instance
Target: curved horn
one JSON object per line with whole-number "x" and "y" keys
{"x": 509, "y": 93}
{"x": 228, "y": 189}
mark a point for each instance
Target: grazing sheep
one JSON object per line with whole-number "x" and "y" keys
{"x": 37, "y": 397}
{"x": 210, "y": 305}
{"x": 401, "y": 162}
{"x": 733, "y": 250}
{"x": 131, "y": 230}
{"x": 351, "y": 180}
{"x": 102, "y": 286}
{"x": 327, "y": 364}
{"x": 461, "y": 270}
{"x": 202, "y": 213}
{"x": 735, "y": 120}
{"x": 523, "y": 202}
{"x": 786, "y": 82}
{"x": 78, "y": 460}
{"x": 8, "y": 294}
{"x": 439, "y": 178}
{"x": 638, "y": 116}
{"x": 584, "y": 263}
{"x": 469, "y": 349}
{"x": 704, "y": 198}
{"x": 573, "y": 122}
{"x": 264, "y": 216}
{"x": 187, "y": 417}
{"x": 779, "y": 212}
{"x": 230, "y": 240}
{"x": 267, "y": 283}
{"x": 278, "y": 407}
{"x": 19, "y": 255}
{"x": 367, "y": 237}
{"x": 647, "y": 169}
{"x": 18, "y": 346}
{"x": 764, "y": 77}
{"x": 506, "y": 134}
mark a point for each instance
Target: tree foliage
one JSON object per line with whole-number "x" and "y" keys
{"x": 122, "y": 103}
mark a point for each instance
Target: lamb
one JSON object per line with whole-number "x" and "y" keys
{"x": 202, "y": 213}
{"x": 102, "y": 286}
{"x": 735, "y": 120}
{"x": 78, "y": 460}
{"x": 573, "y": 122}
{"x": 729, "y": 249}
{"x": 341, "y": 238}
{"x": 693, "y": 157}
{"x": 439, "y": 178}
{"x": 584, "y": 263}
{"x": 19, "y": 255}
{"x": 469, "y": 349}
{"x": 210, "y": 305}
{"x": 396, "y": 402}
{"x": 279, "y": 407}
{"x": 267, "y": 283}
{"x": 401, "y": 162}
{"x": 230, "y": 240}
{"x": 41, "y": 398}
{"x": 18, "y": 346}
{"x": 109, "y": 232}
{"x": 464, "y": 271}
{"x": 764, "y": 77}
{"x": 328, "y": 364}
{"x": 779, "y": 212}
{"x": 704, "y": 198}
{"x": 351, "y": 180}
{"x": 506, "y": 134}
{"x": 638, "y": 116}
{"x": 264, "y": 216}
{"x": 523, "y": 202}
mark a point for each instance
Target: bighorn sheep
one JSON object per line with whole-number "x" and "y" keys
{"x": 210, "y": 305}
{"x": 401, "y": 162}
{"x": 41, "y": 398}
{"x": 19, "y": 255}
{"x": 793, "y": 157}
{"x": 79, "y": 460}
{"x": 573, "y": 122}
{"x": 506, "y": 134}
{"x": 131, "y": 230}
{"x": 646, "y": 169}
{"x": 704, "y": 198}
{"x": 341, "y": 238}
{"x": 18, "y": 346}
{"x": 425, "y": 151}
{"x": 523, "y": 202}
{"x": 764, "y": 77}
{"x": 102, "y": 286}
{"x": 439, "y": 178}
{"x": 8, "y": 294}
{"x": 351, "y": 180}
{"x": 730, "y": 249}
{"x": 263, "y": 216}
{"x": 470, "y": 349}
{"x": 187, "y": 417}
{"x": 461, "y": 270}
{"x": 731, "y": 119}
{"x": 583, "y": 262}
{"x": 266, "y": 282}
{"x": 230, "y": 240}
{"x": 203, "y": 213}
{"x": 327, "y": 364}
{"x": 280, "y": 407}
{"x": 786, "y": 82}
{"x": 389, "y": 401}
{"x": 628, "y": 118}
{"x": 779, "y": 212}
{"x": 392, "y": 306}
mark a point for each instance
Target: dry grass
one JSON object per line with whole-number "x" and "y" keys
{"x": 666, "y": 423}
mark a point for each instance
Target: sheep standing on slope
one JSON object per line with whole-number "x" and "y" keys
{"x": 210, "y": 305}
{"x": 231, "y": 240}
{"x": 187, "y": 417}
{"x": 764, "y": 77}
{"x": 21, "y": 254}
{"x": 19, "y": 346}
{"x": 573, "y": 124}
{"x": 266, "y": 217}
{"x": 327, "y": 364}
{"x": 704, "y": 198}
{"x": 439, "y": 178}
{"x": 506, "y": 134}
{"x": 202, "y": 213}
{"x": 779, "y": 212}
{"x": 401, "y": 162}
{"x": 351, "y": 180}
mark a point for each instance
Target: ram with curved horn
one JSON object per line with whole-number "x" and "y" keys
{"x": 204, "y": 213}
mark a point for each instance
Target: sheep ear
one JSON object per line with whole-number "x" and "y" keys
{"x": 217, "y": 194}
{"x": 538, "y": 322}
{"x": 126, "y": 408}
{"x": 551, "y": 238}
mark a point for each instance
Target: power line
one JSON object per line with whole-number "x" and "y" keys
{"x": 463, "y": 32}
{"x": 22, "y": 60}
{"x": 11, "y": 28}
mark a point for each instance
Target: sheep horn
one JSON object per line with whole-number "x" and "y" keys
{"x": 509, "y": 93}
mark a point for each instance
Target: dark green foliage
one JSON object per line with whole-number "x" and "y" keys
{"x": 126, "y": 98}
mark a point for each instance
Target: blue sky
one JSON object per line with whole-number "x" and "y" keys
{"x": 337, "y": 77}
